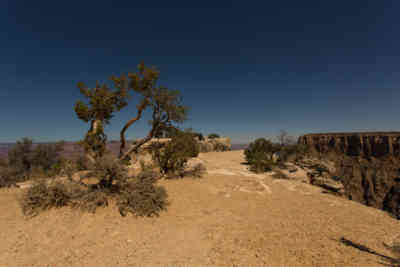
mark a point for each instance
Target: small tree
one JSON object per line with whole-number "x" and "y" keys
{"x": 172, "y": 157}
{"x": 20, "y": 156}
{"x": 259, "y": 154}
{"x": 165, "y": 104}
{"x": 102, "y": 103}
{"x": 48, "y": 156}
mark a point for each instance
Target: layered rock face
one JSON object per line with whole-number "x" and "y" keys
{"x": 375, "y": 144}
{"x": 368, "y": 165}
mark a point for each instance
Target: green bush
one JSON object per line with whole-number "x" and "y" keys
{"x": 48, "y": 156}
{"x": 259, "y": 155}
{"x": 172, "y": 157}
{"x": 213, "y": 136}
{"x": 261, "y": 166}
{"x": 44, "y": 160}
{"x": 20, "y": 156}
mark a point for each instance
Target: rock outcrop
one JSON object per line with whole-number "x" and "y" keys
{"x": 367, "y": 164}
{"x": 372, "y": 144}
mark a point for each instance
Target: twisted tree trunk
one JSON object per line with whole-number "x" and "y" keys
{"x": 94, "y": 128}
{"x": 127, "y": 125}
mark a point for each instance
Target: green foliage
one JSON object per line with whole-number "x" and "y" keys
{"x": 261, "y": 165}
{"x": 260, "y": 149}
{"x": 20, "y": 156}
{"x": 172, "y": 157}
{"x": 102, "y": 103}
{"x": 95, "y": 141}
{"x": 166, "y": 131}
{"x": 48, "y": 156}
{"x": 165, "y": 104}
{"x": 25, "y": 162}
{"x": 213, "y": 136}
{"x": 259, "y": 154}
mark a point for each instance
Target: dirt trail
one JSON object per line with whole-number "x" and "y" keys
{"x": 231, "y": 217}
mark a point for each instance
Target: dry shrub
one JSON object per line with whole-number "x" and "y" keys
{"x": 42, "y": 196}
{"x": 147, "y": 170}
{"x": 137, "y": 195}
{"x": 82, "y": 163}
{"x": 9, "y": 176}
{"x": 142, "y": 198}
{"x": 90, "y": 200}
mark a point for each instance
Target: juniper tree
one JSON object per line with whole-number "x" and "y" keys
{"x": 165, "y": 104}
{"x": 102, "y": 103}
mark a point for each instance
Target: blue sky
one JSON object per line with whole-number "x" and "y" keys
{"x": 246, "y": 68}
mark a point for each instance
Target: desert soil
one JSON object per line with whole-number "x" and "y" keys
{"x": 230, "y": 217}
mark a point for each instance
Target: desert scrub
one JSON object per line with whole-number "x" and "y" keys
{"x": 9, "y": 176}
{"x": 259, "y": 155}
{"x": 142, "y": 197}
{"x": 26, "y": 162}
{"x": 42, "y": 196}
{"x": 137, "y": 195}
{"x": 172, "y": 157}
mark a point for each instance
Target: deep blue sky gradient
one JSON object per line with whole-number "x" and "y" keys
{"x": 247, "y": 68}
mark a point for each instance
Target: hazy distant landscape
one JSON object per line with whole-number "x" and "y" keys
{"x": 71, "y": 147}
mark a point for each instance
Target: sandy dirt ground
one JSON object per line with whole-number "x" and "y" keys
{"x": 230, "y": 217}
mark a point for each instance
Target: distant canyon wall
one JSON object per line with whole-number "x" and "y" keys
{"x": 367, "y": 164}
{"x": 372, "y": 144}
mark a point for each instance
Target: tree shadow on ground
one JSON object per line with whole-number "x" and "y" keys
{"x": 389, "y": 261}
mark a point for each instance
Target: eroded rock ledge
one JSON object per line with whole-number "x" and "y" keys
{"x": 364, "y": 144}
{"x": 367, "y": 164}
